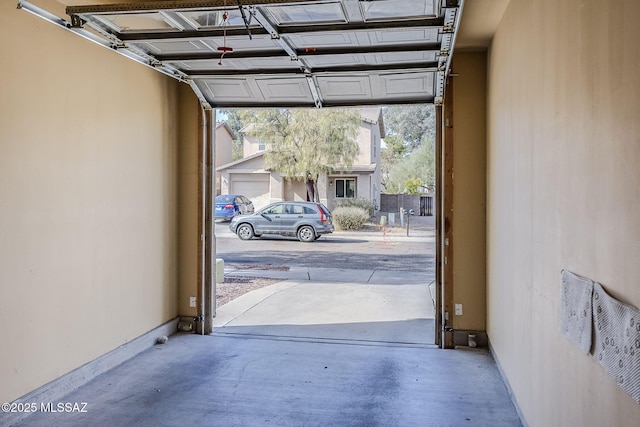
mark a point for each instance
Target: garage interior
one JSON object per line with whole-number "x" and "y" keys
{"x": 101, "y": 172}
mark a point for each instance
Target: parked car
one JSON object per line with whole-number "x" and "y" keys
{"x": 230, "y": 205}
{"x": 305, "y": 220}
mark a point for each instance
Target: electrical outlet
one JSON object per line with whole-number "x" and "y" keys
{"x": 458, "y": 309}
{"x": 192, "y": 301}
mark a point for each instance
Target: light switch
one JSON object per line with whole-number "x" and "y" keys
{"x": 192, "y": 301}
{"x": 458, "y": 309}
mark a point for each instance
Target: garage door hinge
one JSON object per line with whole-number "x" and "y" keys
{"x": 448, "y": 28}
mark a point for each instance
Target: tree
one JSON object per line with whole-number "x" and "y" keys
{"x": 414, "y": 173}
{"x": 237, "y": 119}
{"x": 408, "y": 158}
{"x": 414, "y": 185}
{"x": 392, "y": 152}
{"x": 304, "y": 143}
{"x": 413, "y": 124}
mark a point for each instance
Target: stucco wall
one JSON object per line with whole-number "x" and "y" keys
{"x": 250, "y": 145}
{"x": 469, "y": 189}
{"x": 189, "y": 243}
{"x": 224, "y": 148}
{"x": 364, "y": 140}
{"x": 224, "y": 145}
{"x": 563, "y": 192}
{"x": 88, "y": 201}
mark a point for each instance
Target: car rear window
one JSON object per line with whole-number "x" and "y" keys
{"x": 324, "y": 209}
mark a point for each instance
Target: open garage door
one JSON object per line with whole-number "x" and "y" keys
{"x": 270, "y": 53}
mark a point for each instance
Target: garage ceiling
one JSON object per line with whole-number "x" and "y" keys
{"x": 271, "y": 53}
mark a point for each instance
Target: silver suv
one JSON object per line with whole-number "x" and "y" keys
{"x": 305, "y": 220}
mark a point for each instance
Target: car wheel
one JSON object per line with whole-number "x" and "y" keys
{"x": 244, "y": 232}
{"x": 306, "y": 234}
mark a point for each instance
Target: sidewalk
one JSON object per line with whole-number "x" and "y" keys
{"x": 419, "y": 227}
{"x": 322, "y": 274}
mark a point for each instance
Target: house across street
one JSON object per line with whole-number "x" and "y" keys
{"x": 249, "y": 176}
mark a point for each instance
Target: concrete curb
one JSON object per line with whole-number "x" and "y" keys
{"x": 336, "y": 275}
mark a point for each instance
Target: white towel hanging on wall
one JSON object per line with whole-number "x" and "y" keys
{"x": 575, "y": 310}
{"x": 616, "y": 341}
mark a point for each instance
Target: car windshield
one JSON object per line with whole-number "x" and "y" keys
{"x": 225, "y": 199}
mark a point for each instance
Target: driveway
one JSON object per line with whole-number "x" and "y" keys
{"x": 399, "y": 311}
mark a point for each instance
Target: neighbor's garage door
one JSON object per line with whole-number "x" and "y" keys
{"x": 255, "y": 186}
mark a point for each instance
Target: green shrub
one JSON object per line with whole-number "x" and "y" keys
{"x": 359, "y": 202}
{"x": 349, "y": 217}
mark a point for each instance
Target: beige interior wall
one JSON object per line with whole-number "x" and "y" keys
{"x": 189, "y": 243}
{"x": 563, "y": 179}
{"x": 469, "y": 190}
{"x": 88, "y": 201}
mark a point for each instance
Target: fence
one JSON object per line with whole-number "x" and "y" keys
{"x": 422, "y": 204}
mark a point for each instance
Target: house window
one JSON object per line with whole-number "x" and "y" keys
{"x": 262, "y": 145}
{"x": 345, "y": 188}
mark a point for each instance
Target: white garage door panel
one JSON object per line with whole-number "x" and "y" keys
{"x": 251, "y": 189}
{"x": 256, "y": 188}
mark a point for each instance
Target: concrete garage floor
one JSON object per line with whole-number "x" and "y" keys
{"x": 344, "y": 354}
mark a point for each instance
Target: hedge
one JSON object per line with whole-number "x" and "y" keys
{"x": 358, "y": 202}
{"x": 350, "y": 217}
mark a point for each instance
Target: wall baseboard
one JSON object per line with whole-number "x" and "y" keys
{"x": 461, "y": 337}
{"x": 55, "y": 390}
{"x": 507, "y": 385}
